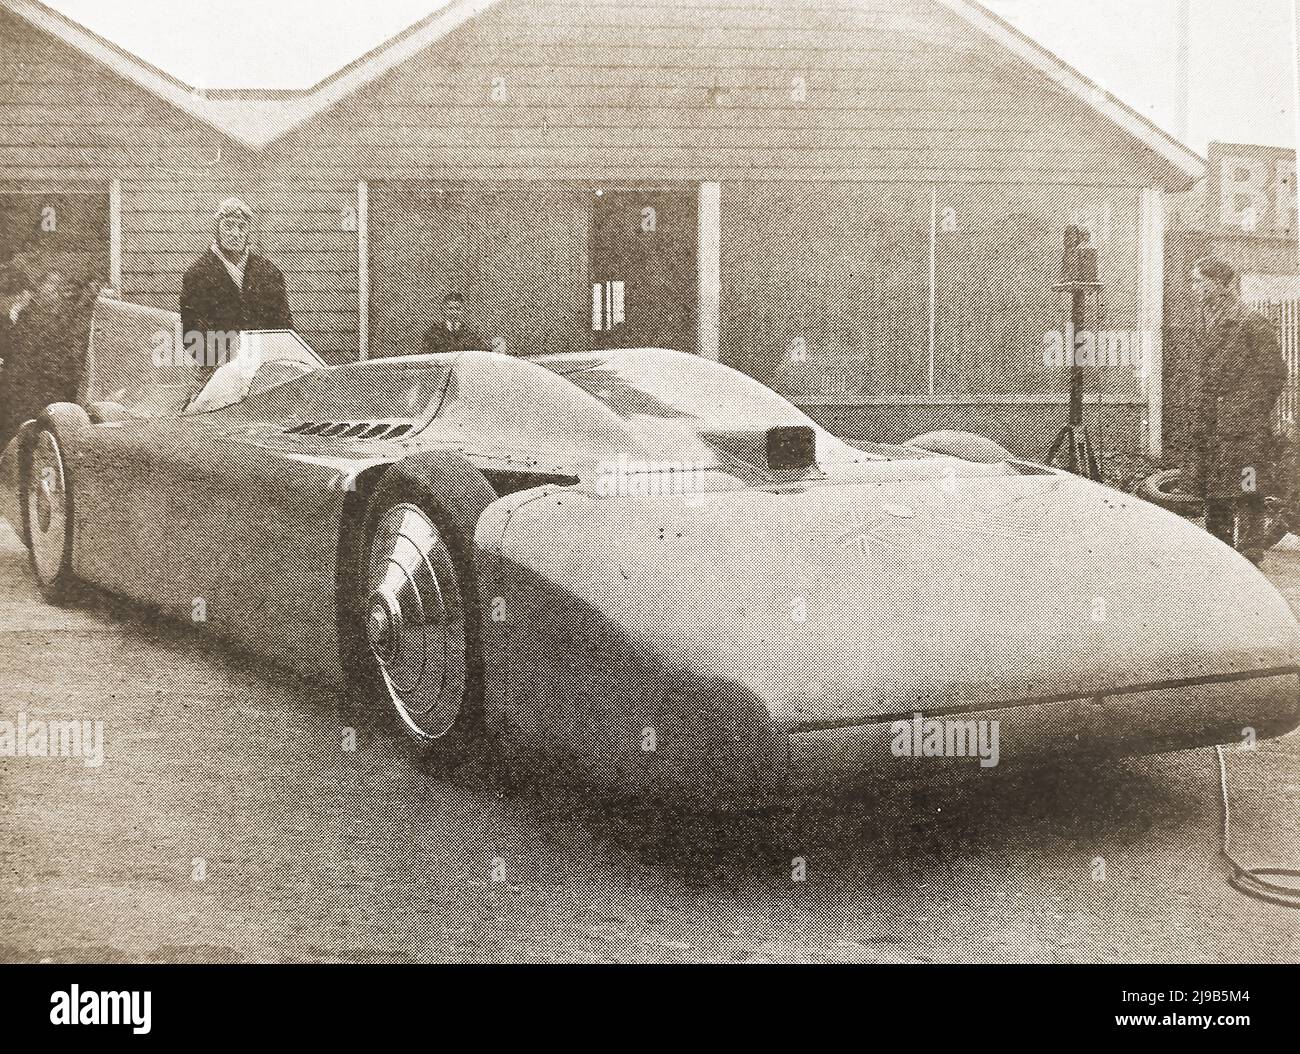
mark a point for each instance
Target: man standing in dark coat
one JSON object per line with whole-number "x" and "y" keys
{"x": 1242, "y": 374}
{"x": 229, "y": 290}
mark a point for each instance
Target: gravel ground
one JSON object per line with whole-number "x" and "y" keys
{"x": 310, "y": 852}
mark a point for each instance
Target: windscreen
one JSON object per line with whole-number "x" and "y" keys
{"x": 135, "y": 359}
{"x": 261, "y": 359}
{"x": 138, "y": 358}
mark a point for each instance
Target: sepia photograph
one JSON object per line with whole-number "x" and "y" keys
{"x": 686, "y": 482}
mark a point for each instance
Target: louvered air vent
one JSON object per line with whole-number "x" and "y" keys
{"x": 349, "y": 429}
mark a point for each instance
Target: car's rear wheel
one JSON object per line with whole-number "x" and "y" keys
{"x": 48, "y": 511}
{"x": 1163, "y": 489}
{"x": 414, "y": 602}
{"x": 47, "y": 503}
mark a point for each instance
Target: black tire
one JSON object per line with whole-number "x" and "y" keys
{"x": 1276, "y": 525}
{"x": 1161, "y": 488}
{"x": 48, "y": 514}
{"x": 377, "y": 684}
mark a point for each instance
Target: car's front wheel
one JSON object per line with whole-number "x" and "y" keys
{"x": 414, "y": 603}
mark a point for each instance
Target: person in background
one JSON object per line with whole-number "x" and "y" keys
{"x": 451, "y": 332}
{"x": 46, "y": 355}
{"x": 230, "y": 290}
{"x": 15, "y": 295}
{"x": 1243, "y": 373}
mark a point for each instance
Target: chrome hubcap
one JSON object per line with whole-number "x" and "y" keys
{"x": 47, "y": 507}
{"x": 383, "y": 628}
{"x": 415, "y": 625}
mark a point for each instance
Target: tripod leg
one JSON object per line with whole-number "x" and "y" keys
{"x": 1056, "y": 446}
{"x": 1091, "y": 463}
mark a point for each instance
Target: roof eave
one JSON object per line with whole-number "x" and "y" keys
{"x": 1189, "y": 165}
{"x": 153, "y": 80}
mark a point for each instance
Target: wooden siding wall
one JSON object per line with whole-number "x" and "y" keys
{"x": 828, "y": 121}
{"x": 67, "y": 119}
{"x": 896, "y": 90}
{"x": 68, "y": 124}
{"x": 308, "y": 229}
{"x": 825, "y": 200}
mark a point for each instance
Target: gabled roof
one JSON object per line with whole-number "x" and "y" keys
{"x": 256, "y": 119}
{"x": 1089, "y": 91}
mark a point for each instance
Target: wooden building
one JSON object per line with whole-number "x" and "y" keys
{"x": 859, "y": 201}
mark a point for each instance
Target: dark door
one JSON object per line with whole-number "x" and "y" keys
{"x": 517, "y": 253}
{"x": 642, "y": 268}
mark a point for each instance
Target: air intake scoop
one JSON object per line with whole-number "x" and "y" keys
{"x": 791, "y": 448}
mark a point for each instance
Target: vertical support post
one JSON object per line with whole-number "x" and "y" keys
{"x": 363, "y": 270}
{"x": 709, "y": 271}
{"x": 934, "y": 281}
{"x": 115, "y": 236}
{"x": 1152, "y": 309}
{"x": 1295, "y": 52}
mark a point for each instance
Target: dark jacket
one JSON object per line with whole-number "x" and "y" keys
{"x": 211, "y": 302}
{"x": 45, "y": 361}
{"x": 1242, "y": 374}
{"x": 8, "y": 370}
{"x": 438, "y": 339}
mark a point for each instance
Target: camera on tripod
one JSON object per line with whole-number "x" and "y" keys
{"x": 1079, "y": 261}
{"x": 1073, "y": 446}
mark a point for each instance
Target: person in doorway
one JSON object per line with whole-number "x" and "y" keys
{"x": 452, "y": 333}
{"x": 15, "y": 296}
{"x": 47, "y": 354}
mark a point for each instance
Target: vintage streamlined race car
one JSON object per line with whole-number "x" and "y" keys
{"x": 640, "y": 566}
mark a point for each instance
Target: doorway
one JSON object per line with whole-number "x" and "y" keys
{"x": 54, "y": 260}
{"x": 642, "y": 268}
{"x": 67, "y": 233}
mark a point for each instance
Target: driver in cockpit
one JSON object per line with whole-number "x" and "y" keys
{"x": 227, "y": 291}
